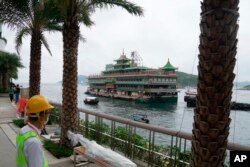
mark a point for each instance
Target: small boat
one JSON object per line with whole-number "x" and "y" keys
{"x": 190, "y": 94}
{"x": 191, "y": 91}
{"x": 91, "y": 100}
{"x": 140, "y": 118}
{"x": 87, "y": 92}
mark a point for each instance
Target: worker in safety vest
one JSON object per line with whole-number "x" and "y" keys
{"x": 29, "y": 146}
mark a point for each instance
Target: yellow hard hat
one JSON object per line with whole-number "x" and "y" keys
{"x": 37, "y": 104}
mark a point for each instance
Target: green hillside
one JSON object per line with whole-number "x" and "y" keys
{"x": 245, "y": 87}
{"x": 242, "y": 84}
{"x": 185, "y": 79}
{"x": 82, "y": 79}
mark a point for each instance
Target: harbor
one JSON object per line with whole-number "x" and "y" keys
{"x": 170, "y": 115}
{"x": 8, "y": 113}
{"x": 130, "y": 111}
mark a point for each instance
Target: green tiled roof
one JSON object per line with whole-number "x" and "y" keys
{"x": 168, "y": 66}
{"x": 123, "y": 58}
{"x": 129, "y": 68}
{"x": 137, "y": 68}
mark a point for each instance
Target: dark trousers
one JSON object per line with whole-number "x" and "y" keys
{"x": 17, "y": 97}
{"x": 11, "y": 97}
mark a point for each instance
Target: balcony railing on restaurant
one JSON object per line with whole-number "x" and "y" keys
{"x": 143, "y": 73}
{"x": 162, "y": 146}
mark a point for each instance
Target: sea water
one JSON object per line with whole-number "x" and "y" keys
{"x": 176, "y": 116}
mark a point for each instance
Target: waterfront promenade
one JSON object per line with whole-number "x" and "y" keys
{"x": 8, "y": 134}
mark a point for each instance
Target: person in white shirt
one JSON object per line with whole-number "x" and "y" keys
{"x": 29, "y": 146}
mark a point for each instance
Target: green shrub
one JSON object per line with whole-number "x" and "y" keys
{"x": 19, "y": 122}
{"x": 122, "y": 133}
{"x": 57, "y": 150}
{"x": 54, "y": 116}
{"x": 2, "y": 90}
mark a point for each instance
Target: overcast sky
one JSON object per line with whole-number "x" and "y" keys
{"x": 169, "y": 29}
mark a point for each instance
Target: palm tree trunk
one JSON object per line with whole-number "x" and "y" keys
{"x": 218, "y": 45}
{"x": 5, "y": 80}
{"x": 35, "y": 64}
{"x": 69, "y": 115}
{"x": 1, "y": 80}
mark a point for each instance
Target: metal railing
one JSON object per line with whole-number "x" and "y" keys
{"x": 152, "y": 145}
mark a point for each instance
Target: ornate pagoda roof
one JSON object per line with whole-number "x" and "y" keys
{"x": 169, "y": 66}
{"x": 123, "y": 57}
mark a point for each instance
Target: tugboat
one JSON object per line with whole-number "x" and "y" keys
{"x": 140, "y": 118}
{"x": 91, "y": 100}
{"x": 191, "y": 94}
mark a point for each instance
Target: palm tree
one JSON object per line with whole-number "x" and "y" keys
{"x": 2, "y": 38}
{"x": 74, "y": 13}
{"x": 9, "y": 64}
{"x": 218, "y": 45}
{"x": 31, "y": 17}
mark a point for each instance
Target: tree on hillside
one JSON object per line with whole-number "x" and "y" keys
{"x": 32, "y": 18}
{"x": 74, "y": 13}
{"x": 218, "y": 47}
{"x": 9, "y": 64}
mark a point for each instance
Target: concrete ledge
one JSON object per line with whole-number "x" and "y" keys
{"x": 4, "y": 95}
{"x": 10, "y": 133}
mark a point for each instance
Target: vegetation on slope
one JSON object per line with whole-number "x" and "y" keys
{"x": 184, "y": 79}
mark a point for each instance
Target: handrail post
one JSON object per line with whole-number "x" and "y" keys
{"x": 86, "y": 122}
{"x": 149, "y": 147}
{"x": 112, "y": 144}
{"x": 133, "y": 144}
{"x": 171, "y": 149}
{"x": 176, "y": 149}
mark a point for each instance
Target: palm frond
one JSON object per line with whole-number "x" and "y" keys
{"x": 51, "y": 12}
{"x": 52, "y": 27}
{"x": 85, "y": 16}
{"x": 10, "y": 63}
{"x": 45, "y": 43}
{"x": 82, "y": 38}
{"x": 19, "y": 36}
{"x": 4, "y": 39}
{"x": 132, "y": 8}
{"x": 62, "y": 6}
{"x": 14, "y": 13}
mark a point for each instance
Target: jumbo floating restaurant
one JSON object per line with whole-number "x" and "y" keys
{"x": 127, "y": 78}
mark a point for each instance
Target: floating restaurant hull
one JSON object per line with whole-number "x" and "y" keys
{"x": 127, "y": 79}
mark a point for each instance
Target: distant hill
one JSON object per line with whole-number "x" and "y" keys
{"x": 241, "y": 84}
{"x": 82, "y": 79}
{"x": 245, "y": 87}
{"x": 185, "y": 79}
